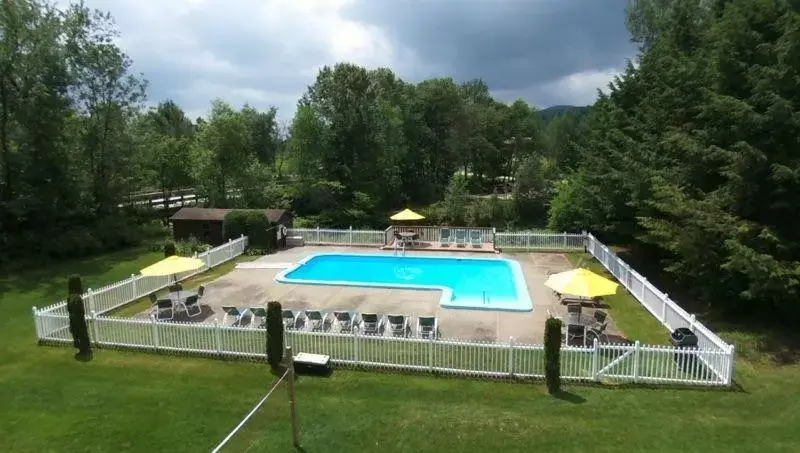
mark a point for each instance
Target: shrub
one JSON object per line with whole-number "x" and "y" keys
{"x": 251, "y": 223}
{"x": 274, "y": 334}
{"x": 77, "y": 324}
{"x": 552, "y": 355}
{"x": 190, "y": 247}
{"x": 169, "y": 249}
{"x": 75, "y": 285}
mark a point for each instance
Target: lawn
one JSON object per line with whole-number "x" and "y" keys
{"x": 125, "y": 401}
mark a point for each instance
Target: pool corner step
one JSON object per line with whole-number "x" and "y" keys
{"x": 263, "y": 265}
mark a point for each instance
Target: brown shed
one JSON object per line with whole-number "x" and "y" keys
{"x": 206, "y": 223}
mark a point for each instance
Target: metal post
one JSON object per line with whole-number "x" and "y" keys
{"x": 289, "y": 358}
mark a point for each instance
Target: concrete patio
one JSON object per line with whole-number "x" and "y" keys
{"x": 254, "y": 287}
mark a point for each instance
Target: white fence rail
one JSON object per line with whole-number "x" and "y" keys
{"x": 538, "y": 241}
{"x": 349, "y": 237}
{"x": 117, "y": 294}
{"x": 599, "y": 362}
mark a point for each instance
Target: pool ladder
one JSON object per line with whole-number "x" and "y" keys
{"x": 401, "y": 248}
{"x": 485, "y": 298}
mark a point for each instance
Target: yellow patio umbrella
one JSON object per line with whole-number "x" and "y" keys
{"x": 172, "y": 265}
{"x": 582, "y": 283}
{"x": 407, "y": 214}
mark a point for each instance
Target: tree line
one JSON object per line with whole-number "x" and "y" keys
{"x": 693, "y": 154}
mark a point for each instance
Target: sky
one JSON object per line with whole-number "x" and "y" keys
{"x": 267, "y": 52}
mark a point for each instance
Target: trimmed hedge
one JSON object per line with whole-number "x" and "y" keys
{"x": 77, "y": 317}
{"x": 252, "y": 223}
{"x": 169, "y": 249}
{"x": 274, "y": 334}
{"x": 74, "y": 285}
{"x": 552, "y": 355}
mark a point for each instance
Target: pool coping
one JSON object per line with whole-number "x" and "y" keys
{"x": 524, "y": 303}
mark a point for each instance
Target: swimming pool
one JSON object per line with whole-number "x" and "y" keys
{"x": 487, "y": 284}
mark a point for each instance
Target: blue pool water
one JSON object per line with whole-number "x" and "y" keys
{"x": 490, "y": 284}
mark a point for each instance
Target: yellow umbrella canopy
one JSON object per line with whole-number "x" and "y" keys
{"x": 172, "y": 265}
{"x": 407, "y": 214}
{"x": 582, "y": 283}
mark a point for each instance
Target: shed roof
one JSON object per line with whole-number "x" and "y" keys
{"x": 215, "y": 214}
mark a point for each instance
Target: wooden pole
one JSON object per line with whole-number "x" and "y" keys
{"x": 289, "y": 358}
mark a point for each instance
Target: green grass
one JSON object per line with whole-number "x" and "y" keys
{"x": 144, "y": 303}
{"x": 631, "y": 318}
{"x": 126, "y": 401}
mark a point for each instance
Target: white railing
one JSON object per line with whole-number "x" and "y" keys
{"x": 662, "y": 307}
{"x": 115, "y": 295}
{"x": 538, "y": 241}
{"x": 599, "y": 362}
{"x": 349, "y": 237}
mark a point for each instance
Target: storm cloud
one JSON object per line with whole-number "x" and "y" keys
{"x": 267, "y": 52}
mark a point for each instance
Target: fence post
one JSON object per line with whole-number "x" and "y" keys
{"x": 241, "y": 240}
{"x": 95, "y": 331}
{"x": 230, "y": 248}
{"x": 154, "y": 327}
{"x": 36, "y": 322}
{"x": 511, "y": 357}
{"x": 208, "y": 258}
{"x": 494, "y": 236}
{"x": 135, "y": 289}
{"x": 636, "y": 361}
{"x": 585, "y": 241}
{"x": 691, "y": 322}
{"x": 565, "y": 240}
{"x": 317, "y": 234}
{"x": 217, "y": 337}
{"x": 351, "y": 235}
{"x": 430, "y": 353}
{"x": 644, "y": 287}
{"x": 595, "y": 359}
{"x": 355, "y": 346}
{"x": 731, "y": 367}
{"x": 90, "y": 299}
{"x": 664, "y": 309}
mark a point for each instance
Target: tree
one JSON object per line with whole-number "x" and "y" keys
{"x": 552, "y": 355}
{"x": 274, "y": 335}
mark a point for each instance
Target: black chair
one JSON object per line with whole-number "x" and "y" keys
{"x": 598, "y": 332}
{"x": 192, "y": 304}
{"x": 600, "y": 316}
{"x": 153, "y": 298}
{"x": 200, "y": 291}
{"x": 576, "y": 332}
{"x": 175, "y": 288}
{"x": 164, "y": 310}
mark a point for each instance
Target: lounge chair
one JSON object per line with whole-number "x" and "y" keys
{"x": 192, "y": 306}
{"x": 475, "y": 238}
{"x": 316, "y": 320}
{"x": 428, "y": 327}
{"x": 372, "y": 324}
{"x": 260, "y": 312}
{"x": 290, "y": 319}
{"x": 598, "y": 332}
{"x": 461, "y": 238}
{"x": 399, "y": 325}
{"x": 164, "y": 310}
{"x": 444, "y": 237}
{"x": 346, "y": 320}
{"x": 234, "y": 313}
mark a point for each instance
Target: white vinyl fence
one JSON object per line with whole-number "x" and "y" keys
{"x": 600, "y": 362}
{"x": 349, "y": 237}
{"x": 115, "y": 295}
{"x": 535, "y": 240}
{"x": 663, "y": 308}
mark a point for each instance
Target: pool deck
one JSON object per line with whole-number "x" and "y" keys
{"x": 255, "y": 286}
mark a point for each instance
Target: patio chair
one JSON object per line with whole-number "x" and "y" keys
{"x": 175, "y": 288}
{"x": 428, "y": 327}
{"x": 399, "y": 325}
{"x": 600, "y": 316}
{"x": 316, "y": 320}
{"x": 372, "y": 324}
{"x": 461, "y": 238}
{"x": 234, "y": 313}
{"x": 164, "y": 310}
{"x": 153, "y": 298}
{"x": 574, "y": 313}
{"x": 598, "y": 332}
{"x": 200, "y": 291}
{"x": 259, "y": 312}
{"x": 444, "y": 237}
{"x": 192, "y": 306}
{"x": 576, "y": 333}
{"x": 398, "y": 240}
{"x": 475, "y": 238}
{"x": 290, "y": 319}
{"x": 346, "y": 320}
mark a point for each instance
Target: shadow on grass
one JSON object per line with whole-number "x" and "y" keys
{"x": 84, "y": 357}
{"x": 569, "y": 397}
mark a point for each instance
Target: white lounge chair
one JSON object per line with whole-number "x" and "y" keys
{"x": 428, "y": 327}
{"x": 475, "y": 238}
{"x": 235, "y": 313}
{"x": 290, "y": 319}
{"x": 372, "y": 324}
{"x": 315, "y": 320}
{"x": 461, "y": 238}
{"x": 445, "y": 239}
{"x": 346, "y": 320}
{"x": 399, "y": 325}
{"x": 260, "y": 312}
